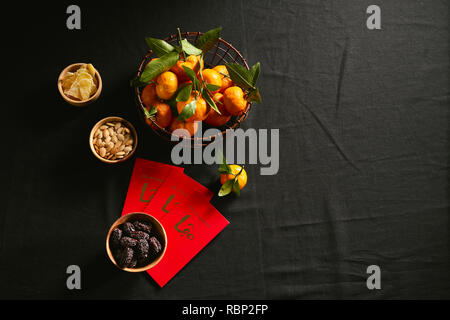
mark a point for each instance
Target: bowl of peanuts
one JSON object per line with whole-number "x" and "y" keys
{"x": 113, "y": 140}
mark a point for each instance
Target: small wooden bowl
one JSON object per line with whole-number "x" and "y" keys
{"x": 79, "y": 103}
{"x": 156, "y": 226}
{"x": 111, "y": 119}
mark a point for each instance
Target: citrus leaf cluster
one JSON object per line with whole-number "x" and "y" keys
{"x": 168, "y": 55}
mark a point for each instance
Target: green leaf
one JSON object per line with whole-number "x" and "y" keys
{"x": 151, "y": 112}
{"x": 172, "y": 102}
{"x": 156, "y": 67}
{"x": 226, "y": 188}
{"x": 189, "y": 48}
{"x": 188, "y": 111}
{"x": 191, "y": 74}
{"x": 240, "y": 75}
{"x": 225, "y": 169}
{"x": 254, "y": 71}
{"x": 210, "y": 101}
{"x": 236, "y": 187}
{"x": 159, "y": 47}
{"x": 184, "y": 92}
{"x": 254, "y": 96}
{"x": 209, "y": 39}
{"x": 212, "y": 87}
{"x": 200, "y": 70}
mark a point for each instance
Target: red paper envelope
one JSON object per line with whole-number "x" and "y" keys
{"x": 146, "y": 179}
{"x": 174, "y": 191}
{"x": 189, "y": 228}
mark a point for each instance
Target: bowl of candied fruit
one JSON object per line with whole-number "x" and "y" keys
{"x": 136, "y": 242}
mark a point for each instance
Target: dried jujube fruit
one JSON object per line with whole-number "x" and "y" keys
{"x": 138, "y": 235}
{"x": 128, "y": 228}
{"x": 126, "y": 257}
{"x": 142, "y": 248}
{"x": 128, "y": 242}
{"x": 142, "y": 226}
{"x": 155, "y": 245}
{"x": 116, "y": 235}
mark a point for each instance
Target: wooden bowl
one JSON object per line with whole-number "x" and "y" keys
{"x": 79, "y": 103}
{"x": 222, "y": 52}
{"x": 110, "y": 119}
{"x": 156, "y": 226}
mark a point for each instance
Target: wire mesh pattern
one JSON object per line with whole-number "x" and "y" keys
{"x": 223, "y": 52}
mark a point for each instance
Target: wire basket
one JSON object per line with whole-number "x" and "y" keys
{"x": 223, "y": 52}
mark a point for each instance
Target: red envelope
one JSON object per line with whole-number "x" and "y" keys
{"x": 174, "y": 191}
{"x": 189, "y": 227}
{"x": 145, "y": 180}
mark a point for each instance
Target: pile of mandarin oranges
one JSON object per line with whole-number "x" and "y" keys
{"x": 228, "y": 97}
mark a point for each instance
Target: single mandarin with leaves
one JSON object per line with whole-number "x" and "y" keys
{"x": 190, "y": 128}
{"x": 212, "y": 77}
{"x": 226, "y": 80}
{"x": 148, "y": 95}
{"x": 215, "y": 119}
{"x": 237, "y": 173}
{"x": 166, "y": 85}
{"x": 201, "y": 107}
{"x": 163, "y": 114}
{"x": 234, "y": 100}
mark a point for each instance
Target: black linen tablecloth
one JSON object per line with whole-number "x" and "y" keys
{"x": 364, "y": 144}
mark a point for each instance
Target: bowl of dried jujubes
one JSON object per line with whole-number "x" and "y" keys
{"x": 136, "y": 242}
